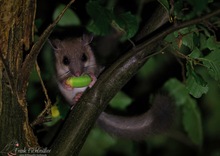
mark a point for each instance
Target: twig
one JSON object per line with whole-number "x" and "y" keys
{"x": 41, "y": 117}
{"x": 175, "y": 28}
{"x": 183, "y": 69}
{"x": 31, "y": 58}
{"x": 48, "y": 103}
{"x": 161, "y": 51}
{"x": 40, "y": 120}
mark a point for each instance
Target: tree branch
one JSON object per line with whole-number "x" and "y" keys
{"x": 95, "y": 100}
{"x": 159, "y": 18}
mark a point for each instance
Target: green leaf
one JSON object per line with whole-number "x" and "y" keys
{"x": 62, "y": 109}
{"x": 177, "y": 90}
{"x": 188, "y": 40}
{"x": 187, "y": 36}
{"x": 192, "y": 122}
{"x": 212, "y": 44}
{"x": 183, "y": 37}
{"x": 104, "y": 20}
{"x": 101, "y": 16}
{"x": 195, "y": 54}
{"x": 205, "y": 32}
{"x": 120, "y": 101}
{"x": 92, "y": 27}
{"x": 195, "y": 84}
{"x": 69, "y": 18}
{"x": 212, "y": 62}
{"x": 203, "y": 42}
{"x": 171, "y": 38}
{"x": 191, "y": 116}
{"x": 128, "y": 23}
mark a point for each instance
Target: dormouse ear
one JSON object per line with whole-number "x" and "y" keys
{"x": 55, "y": 43}
{"x": 87, "y": 39}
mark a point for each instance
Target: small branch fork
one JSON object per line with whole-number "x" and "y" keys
{"x": 41, "y": 117}
{"x": 29, "y": 61}
{"x": 33, "y": 57}
{"x": 19, "y": 83}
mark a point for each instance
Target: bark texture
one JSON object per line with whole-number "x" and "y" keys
{"x": 16, "y": 31}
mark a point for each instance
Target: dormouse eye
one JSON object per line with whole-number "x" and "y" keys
{"x": 84, "y": 58}
{"x": 66, "y": 61}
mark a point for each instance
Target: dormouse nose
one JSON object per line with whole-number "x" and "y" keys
{"x": 76, "y": 69}
{"x": 77, "y": 73}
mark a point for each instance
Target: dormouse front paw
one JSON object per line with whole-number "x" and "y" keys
{"x": 94, "y": 79}
{"x": 77, "y": 97}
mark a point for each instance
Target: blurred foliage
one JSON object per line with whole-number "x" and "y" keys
{"x": 120, "y": 101}
{"x": 103, "y": 20}
{"x": 188, "y": 70}
{"x": 66, "y": 21}
{"x": 191, "y": 117}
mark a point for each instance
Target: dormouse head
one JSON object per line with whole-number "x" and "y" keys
{"x": 74, "y": 56}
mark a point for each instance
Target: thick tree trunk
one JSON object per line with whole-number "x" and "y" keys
{"x": 16, "y": 31}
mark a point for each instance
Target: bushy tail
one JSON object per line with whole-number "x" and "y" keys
{"x": 156, "y": 120}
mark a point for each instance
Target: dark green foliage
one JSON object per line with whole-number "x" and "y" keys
{"x": 104, "y": 20}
